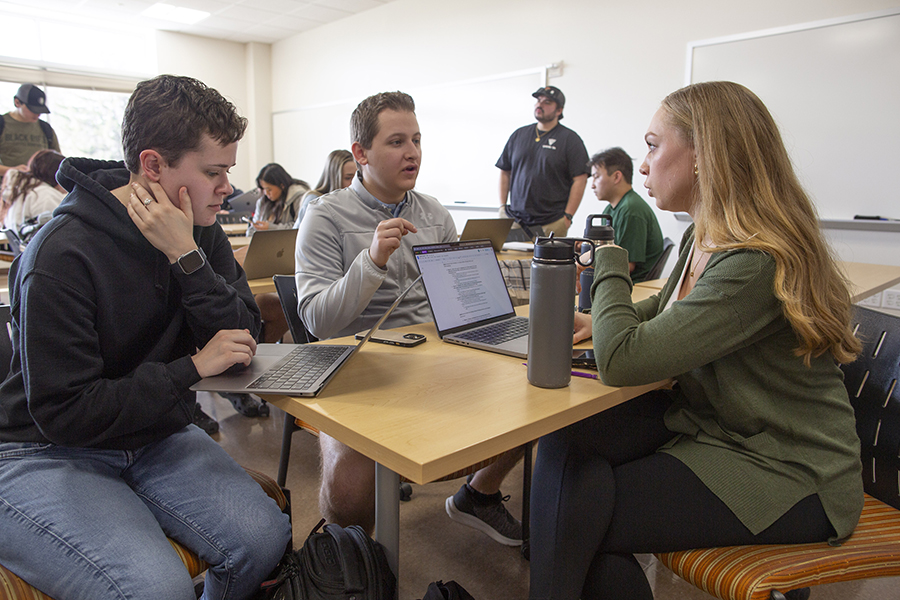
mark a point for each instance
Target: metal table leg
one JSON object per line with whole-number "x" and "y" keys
{"x": 387, "y": 516}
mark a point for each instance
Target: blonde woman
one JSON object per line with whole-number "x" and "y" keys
{"x": 340, "y": 168}
{"x": 756, "y": 443}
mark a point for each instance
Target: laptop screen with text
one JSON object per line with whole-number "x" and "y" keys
{"x": 463, "y": 283}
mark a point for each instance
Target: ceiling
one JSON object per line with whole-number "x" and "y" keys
{"x": 264, "y": 21}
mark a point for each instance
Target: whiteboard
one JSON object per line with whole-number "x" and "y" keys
{"x": 464, "y": 125}
{"x": 833, "y": 87}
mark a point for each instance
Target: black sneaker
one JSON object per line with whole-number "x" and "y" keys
{"x": 492, "y": 518}
{"x": 204, "y": 421}
{"x": 246, "y": 404}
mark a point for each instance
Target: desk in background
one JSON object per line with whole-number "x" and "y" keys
{"x": 865, "y": 279}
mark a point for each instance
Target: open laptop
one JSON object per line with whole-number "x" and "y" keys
{"x": 495, "y": 230}
{"x": 271, "y": 252}
{"x": 292, "y": 369}
{"x": 469, "y": 299}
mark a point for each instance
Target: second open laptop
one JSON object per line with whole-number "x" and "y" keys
{"x": 469, "y": 299}
{"x": 292, "y": 369}
{"x": 496, "y": 230}
{"x": 271, "y": 252}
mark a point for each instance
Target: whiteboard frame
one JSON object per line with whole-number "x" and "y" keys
{"x": 691, "y": 46}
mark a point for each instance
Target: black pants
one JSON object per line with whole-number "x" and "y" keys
{"x": 601, "y": 493}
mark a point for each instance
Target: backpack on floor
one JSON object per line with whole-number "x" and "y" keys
{"x": 335, "y": 564}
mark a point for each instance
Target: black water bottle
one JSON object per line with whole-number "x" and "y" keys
{"x": 599, "y": 235}
{"x": 551, "y": 315}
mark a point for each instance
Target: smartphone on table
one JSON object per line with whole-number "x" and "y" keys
{"x": 584, "y": 358}
{"x": 394, "y": 338}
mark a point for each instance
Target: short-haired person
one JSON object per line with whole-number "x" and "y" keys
{"x": 279, "y": 203}
{"x": 354, "y": 257}
{"x": 22, "y": 132}
{"x": 543, "y": 168}
{"x": 27, "y": 194}
{"x": 634, "y": 222}
{"x": 99, "y": 460}
{"x": 340, "y": 168}
{"x": 756, "y": 443}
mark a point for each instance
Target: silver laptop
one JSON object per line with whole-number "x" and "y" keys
{"x": 271, "y": 252}
{"x": 469, "y": 299}
{"x": 495, "y": 230}
{"x": 292, "y": 369}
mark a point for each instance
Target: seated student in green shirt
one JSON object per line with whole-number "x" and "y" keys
{"x": 633, "y": 221}
{"x": 756, "y": 442}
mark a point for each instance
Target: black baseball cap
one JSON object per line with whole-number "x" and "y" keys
{"x": 33, "y": 97}
{"x": 553, "y": 93}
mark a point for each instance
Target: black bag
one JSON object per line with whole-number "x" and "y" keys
{"x": 336, "y": 564}
{"x": 438, "y": 590}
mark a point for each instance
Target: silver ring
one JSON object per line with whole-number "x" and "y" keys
{"x": 147, "y": 201}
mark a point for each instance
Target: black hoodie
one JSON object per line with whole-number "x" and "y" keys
{"x": 103, "y": 326}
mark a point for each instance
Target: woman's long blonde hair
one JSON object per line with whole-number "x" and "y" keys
{"x": 748, "y": 196}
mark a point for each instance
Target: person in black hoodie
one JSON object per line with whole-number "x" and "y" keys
{"x": 125, "y": 299}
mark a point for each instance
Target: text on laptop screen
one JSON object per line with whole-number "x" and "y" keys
{"x": 467, "y": 280}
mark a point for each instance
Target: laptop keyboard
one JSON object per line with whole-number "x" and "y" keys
{"x": 304, "y": 365}
{"x": 497, "y": 333}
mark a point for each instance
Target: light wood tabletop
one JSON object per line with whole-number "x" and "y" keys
{"x": 427, "y": 411}
{"x": 865, "y": 279}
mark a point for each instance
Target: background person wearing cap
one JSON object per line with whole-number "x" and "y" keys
{"x": 23, "y": 133}
{"x": 543, "y": 168}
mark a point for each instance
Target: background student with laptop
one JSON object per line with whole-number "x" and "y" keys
{"x": 354, "y": 257}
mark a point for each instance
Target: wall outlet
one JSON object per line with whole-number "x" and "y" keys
{"x": 890, "y": 299}
{"x": 873, "y": 301}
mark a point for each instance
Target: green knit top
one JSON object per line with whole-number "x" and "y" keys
{"x": 757, "y": 426}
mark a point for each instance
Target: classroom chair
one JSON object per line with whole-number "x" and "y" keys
{"x": 660, "y": 263}
{"x": 873, "y": 550}
{"x": 286, "y": 287}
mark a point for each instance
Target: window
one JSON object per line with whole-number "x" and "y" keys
{"x": 87, "y": 122}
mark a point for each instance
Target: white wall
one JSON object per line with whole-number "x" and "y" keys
{"x": 241, "y": 73}
{"x": 620, "y": 59}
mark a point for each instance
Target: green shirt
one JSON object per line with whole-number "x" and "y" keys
{"x": 20, "y": 140}
{"x": 757, "y": 426}
{"x": 637, "y": 230}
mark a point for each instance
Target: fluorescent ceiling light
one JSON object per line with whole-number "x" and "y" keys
{"x": 167, "y": 12}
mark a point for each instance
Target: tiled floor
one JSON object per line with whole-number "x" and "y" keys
{"x": 432, "y": 546}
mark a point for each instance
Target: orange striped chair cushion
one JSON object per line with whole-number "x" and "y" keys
{"x": 455, "y": 475}
{"x": 13, "y": 588}
{"x": 751, "y": 572}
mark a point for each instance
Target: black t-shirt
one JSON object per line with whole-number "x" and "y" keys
{"x": 541, "y": 172}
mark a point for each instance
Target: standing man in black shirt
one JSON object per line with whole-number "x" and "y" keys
{"x": 543, "y": 168}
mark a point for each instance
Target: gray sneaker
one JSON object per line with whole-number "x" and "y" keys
{"x": 492, "y": 519}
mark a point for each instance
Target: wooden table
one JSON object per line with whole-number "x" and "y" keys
{"x": 865, "y": 279}
{"x": 427, "y": 411}
{"x": 235, "y": 229}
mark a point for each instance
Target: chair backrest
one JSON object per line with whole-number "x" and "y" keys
{"x": 12, "y": 238}
{"x": 871, "y": 381}
{"x": 232, "y": 217}
{"x": 660, "y": 263}
{"x": 286, "y": 287}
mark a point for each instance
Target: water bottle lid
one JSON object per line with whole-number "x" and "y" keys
{"x": 550, "y": 248}
{"x": 600, "y": 232}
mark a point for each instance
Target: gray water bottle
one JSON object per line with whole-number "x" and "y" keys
{"x": 551, "y": 312}
{"x": 600, "y": 235}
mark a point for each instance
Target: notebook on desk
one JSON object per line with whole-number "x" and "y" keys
{"x": 271, "y": 252}
{"x": 469, "y": 299}
{"x": 495, "y": 230}
{"x": 292, "y": 369}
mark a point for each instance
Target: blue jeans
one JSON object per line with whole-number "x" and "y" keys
{"x": 89, "y": 523}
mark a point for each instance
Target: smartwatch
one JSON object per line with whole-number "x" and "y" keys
{"x": 191, "y": 261}
{"x": 568, "y": 216}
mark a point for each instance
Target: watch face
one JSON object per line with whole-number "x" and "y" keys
{"x": 191, "y": 261}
